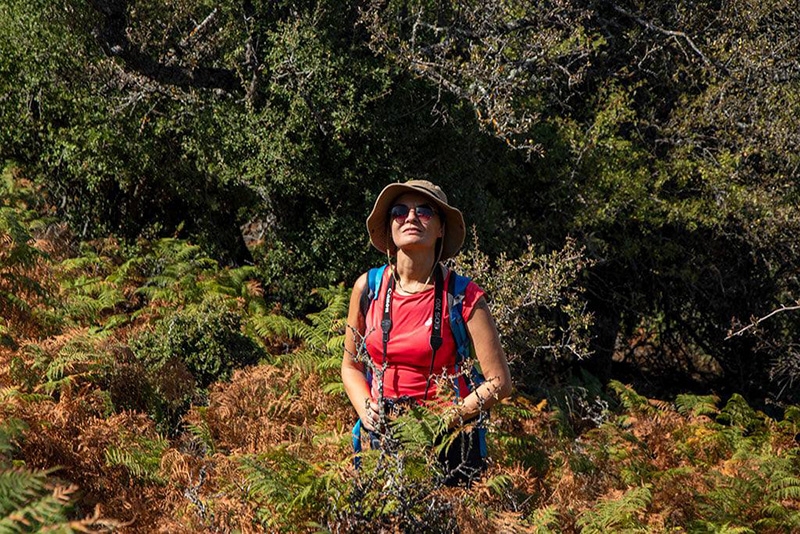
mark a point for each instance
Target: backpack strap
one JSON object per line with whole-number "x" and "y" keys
{"x": 369, "y": 294}
{"x": 371, "y": 290}
{"x": 456, "y": 292}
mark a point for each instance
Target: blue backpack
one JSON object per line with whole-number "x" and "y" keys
{"x": 456, "y": 290}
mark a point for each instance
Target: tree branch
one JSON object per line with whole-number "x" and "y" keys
{"x": 672, "y": 33}
{"x": 755, "y": 322}
{"x": 114, "y": 41}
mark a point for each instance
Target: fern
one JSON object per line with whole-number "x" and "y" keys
{"x": 47, "y": 512}
{"x": 761, "y": 485}
{"x": 697, "y": 405}
{"x": 29, "y": 501}
{"x": 176, "y": 270}
{"x": 290, "y": 490}
{"x": 82, "y": 358}
{"x": 500, "y": 484}
{"x": 322, "y": 333}
{"x": 202, "y": 432}
{"x": 238, "y": 283}
{"x": 618, "y": 515}
{"x": 738, "y": 413}
{"x": 712, "y": 528}
{"x": 631, "y": 400}
{"x": 544, "y": 520}
{"x": 140, "y": 456}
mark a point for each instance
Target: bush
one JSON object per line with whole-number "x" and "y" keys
{"x": 191, "y": 349}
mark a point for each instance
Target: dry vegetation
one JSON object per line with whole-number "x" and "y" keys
{"x": 91, "y": 439}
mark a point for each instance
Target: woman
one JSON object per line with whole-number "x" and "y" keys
{"x": 414, "y": 225}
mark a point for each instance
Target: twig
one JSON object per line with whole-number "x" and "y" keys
{"x": 755, "y": 322}
{"x": 672, "y": 33}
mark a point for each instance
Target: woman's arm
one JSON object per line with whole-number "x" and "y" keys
{"x": 353, "y": 375}
{"x": 492, "y": 360}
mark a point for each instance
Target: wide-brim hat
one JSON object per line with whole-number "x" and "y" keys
{"x": 454, "y": 229}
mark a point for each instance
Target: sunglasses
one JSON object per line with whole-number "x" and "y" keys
{"x": 424, "y": 212}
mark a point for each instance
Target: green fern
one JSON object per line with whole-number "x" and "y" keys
{"x": 140, "y": 456}
{"x": 238, "y": 283}
{"x": 544, "y": 520}
{"x": 713, "y": 528}
{"x": 202, "y": 432}
{"x": 290, "y": 490}
{"x": 499, "y": 484}
{"x": 29, "y": 501}
{"x": 17, "y": 259}
{"x": 630, "y": 399}
{"x": 738, "y": 413}
{"x": 618, "y": 515}
{"x": 765, "y": 487}
{"x": 80, "y": 359}
{"x": 322, "y": 333}
{"x": 40, "y": 512}
{"x": 697, "y": 405}
{"x": 176, "y": 269}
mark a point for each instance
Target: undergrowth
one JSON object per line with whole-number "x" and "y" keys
{"x": 146, "y": 384}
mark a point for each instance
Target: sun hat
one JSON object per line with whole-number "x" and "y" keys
{"x": 454, "y": 229}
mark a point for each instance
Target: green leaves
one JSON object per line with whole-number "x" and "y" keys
{"x": 623, "y": 514}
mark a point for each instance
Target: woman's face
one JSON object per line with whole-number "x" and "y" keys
{"x": 414, "y": 222}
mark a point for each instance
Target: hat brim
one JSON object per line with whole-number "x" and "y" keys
{"x": 377, "y": 222}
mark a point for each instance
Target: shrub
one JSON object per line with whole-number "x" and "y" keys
{"x": 191, "y": 349}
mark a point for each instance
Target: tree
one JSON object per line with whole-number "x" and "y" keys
{"x": 662, "y": 136}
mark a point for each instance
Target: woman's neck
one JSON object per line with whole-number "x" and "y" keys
{"x": 414, "y": 273}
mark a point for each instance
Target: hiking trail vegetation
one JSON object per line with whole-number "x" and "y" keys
{"x": 182, "y": 199}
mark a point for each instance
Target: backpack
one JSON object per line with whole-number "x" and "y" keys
{"x": 456, "y": 290}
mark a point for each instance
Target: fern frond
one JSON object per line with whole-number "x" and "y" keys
{"x": 202, "y": 432}
{"x": 334, "y": 388}
{"x": 726, "y": 528}
{"x": 47, "y": 512}
{"x": 738, "y": 413}
{"x": 697, "y": 405}
{"x": 18, "y": 486}
{"x": 544, "y": 520}
{"x": 613, "y": 515}
{"x": 631, "y": 400}
{"x": 141, "y": 457}
{"x": 500, "y": 484}
{"x": 288, "y": 488}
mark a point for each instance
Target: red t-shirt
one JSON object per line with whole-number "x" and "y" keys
{"x": 409, "y": 349}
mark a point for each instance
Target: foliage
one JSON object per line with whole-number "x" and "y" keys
{"x": 536, "y": 303}
{"x": 269, "y": 447}
{"x": 650, "y": 150}
{"x": 290, "y": 492}
{"x": 140, "y": 456}
{"x": 321, "y": 335}
{"x": 33, "y": 499}
{"x": 657, "y": 136}
{"x": 206, "y": 337}
{"x": 190, "y": 349}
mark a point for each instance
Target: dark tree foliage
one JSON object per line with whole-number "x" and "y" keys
{"x": 665, "y": 137}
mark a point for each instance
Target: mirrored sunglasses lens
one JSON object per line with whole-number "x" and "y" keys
{"x": 400, "y": 212}
{"x": 424, "y": 212}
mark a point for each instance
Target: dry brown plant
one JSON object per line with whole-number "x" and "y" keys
{"x": 74, "y": 433}
{"x": 266, "y": 405}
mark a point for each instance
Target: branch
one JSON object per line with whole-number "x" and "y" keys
{"x": 755, "y": 322}
{"x": 113, "y": 38}
{"x": 672, "y": 33}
